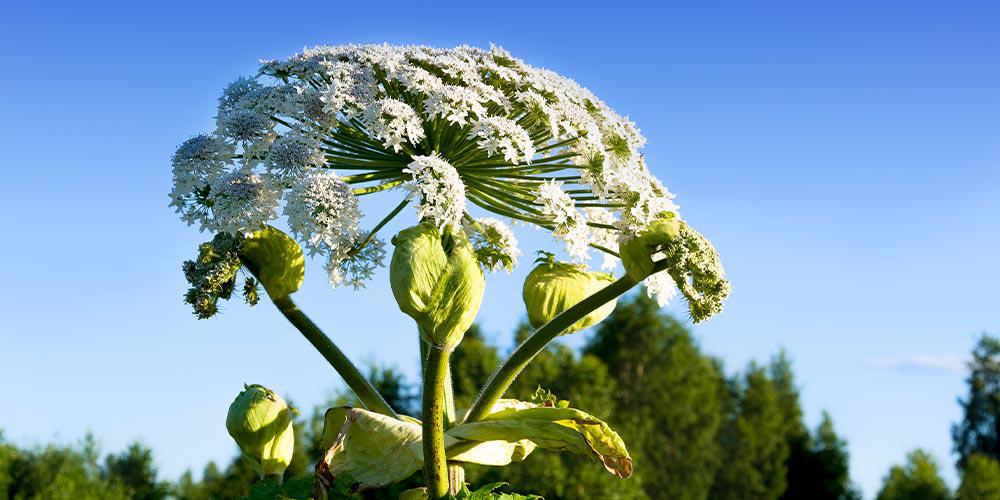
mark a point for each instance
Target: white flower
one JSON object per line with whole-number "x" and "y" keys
{"x": 454, "y": 104}
{"x": 569, "y": 225}
{"x": 394, "y": 122}
{"x": 357, "y": 268}
{"x": 241, "y": 202}
{"x": 602, "y": 236}
{"x": 495, "y": 129}
{"x": 416, "y": 79}
{"x": 323, "y": 212}
{"x": 350, "y": 88}
{"x": 442, "y": 193}
{"x": 244, "y": 125}
{"x": 661, "y": 287}
{"x": 495, "y": 133}
{"x": 495, "y": 244}
{"x": 292, "y": 153}
{"x": 235, "y": 93}
{"x": 198, "y": 162}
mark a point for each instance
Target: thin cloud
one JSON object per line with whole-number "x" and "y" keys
{"x": 923, "y": 363}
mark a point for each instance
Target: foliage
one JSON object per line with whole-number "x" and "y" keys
{"x": 640, "y": 371}
{"x": 918, "y": 479}
{"x": 981, "y": 479}
{"x": 977, "y": 432}
{"x": 489, "y": 492}
{"x": 669, "y": 398}
{"x": 74, "y": 472}
{"x": 753, "y": 440}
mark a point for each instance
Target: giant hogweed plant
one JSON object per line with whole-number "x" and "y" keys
{"x": 452, "y": 133}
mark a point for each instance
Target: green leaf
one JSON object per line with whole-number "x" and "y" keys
{"x": 488, "y": 492}
{"x": 267, "y": 489}
{"x": 552, "y": 428}
{"x": 375, "y": 450}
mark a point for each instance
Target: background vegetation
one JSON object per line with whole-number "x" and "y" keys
{"x": 694, "y": 433}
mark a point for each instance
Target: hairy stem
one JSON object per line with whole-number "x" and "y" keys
{"x": 511, "y": 368}
{"x": 435, "y": 460}
{"x": 366, "y": 393}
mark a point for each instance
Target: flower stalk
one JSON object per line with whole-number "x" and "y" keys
{"x": 366, "y": 393}
{"x": 504, "y": 376}
{"x": 435, "y": 461}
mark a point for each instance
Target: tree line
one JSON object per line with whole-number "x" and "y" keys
{"x": 694, "y": 432}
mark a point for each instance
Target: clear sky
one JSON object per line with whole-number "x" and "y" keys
{"x": 844, "y": 158}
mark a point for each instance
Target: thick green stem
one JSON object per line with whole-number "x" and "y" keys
{"x": 435, "y": 460}
{"x": 511, "y": 368}
{"x": 449, "y": 398}
{"x": 366, "y": 393}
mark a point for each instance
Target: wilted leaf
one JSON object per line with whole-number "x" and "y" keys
{"x": 552, "y": 428}
{"x": 375, "y": 450}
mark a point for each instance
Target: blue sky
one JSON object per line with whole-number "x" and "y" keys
{"x": 844, "y": 158}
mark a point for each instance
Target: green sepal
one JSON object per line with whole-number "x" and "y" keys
{"x": 275, "y": 259}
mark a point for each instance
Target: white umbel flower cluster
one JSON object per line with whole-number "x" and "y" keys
{"x": 323, "y": 213}
{"x": 499, "y": 134}
{"x": 661, "y": 288}
{"x": 291, "y": 154}
{"x": 242, "y": 202}
{"x": 459, "y": 128}
{"x": 569, "y": 225}
{"x": 495, "y": 243}
{"x": 440, "y": 188}
{"x": 393, "y": 121}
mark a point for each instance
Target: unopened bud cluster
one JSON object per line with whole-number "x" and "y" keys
{"x": 213, "y": 275}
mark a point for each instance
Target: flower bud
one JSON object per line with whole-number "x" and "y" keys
{"x": 437, "y": 281}
{"x": 637, "y": 253}
{"x": 261, "y": 423}
{"x": 553, "y": 287}
{"x": 691, "y": 261}
{"x": 275, "y": 259}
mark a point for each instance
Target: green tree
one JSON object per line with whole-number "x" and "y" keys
{"x": 918, "y": 479}
{"x": 979, "y": 430}
{"x": 753, "y": 441}
{"x": 136, "y": 470}
{"x": 669, "y": 398}
{"x": 472, "y": 364}
{"x": 56, "y": 472}
{"x": 820, "y": 464}
{"x": 980, "y": 479}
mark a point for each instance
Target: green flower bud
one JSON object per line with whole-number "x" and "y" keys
{"x": 275, "y": 259}
{"x": 261, "y": 423}
{"x": 691, "y": 261}
{"x": 436, "y": 280}
{"x": 213, "y": 274}
{"x": 637, "y": 253}
{"x": 553, "y": 287}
